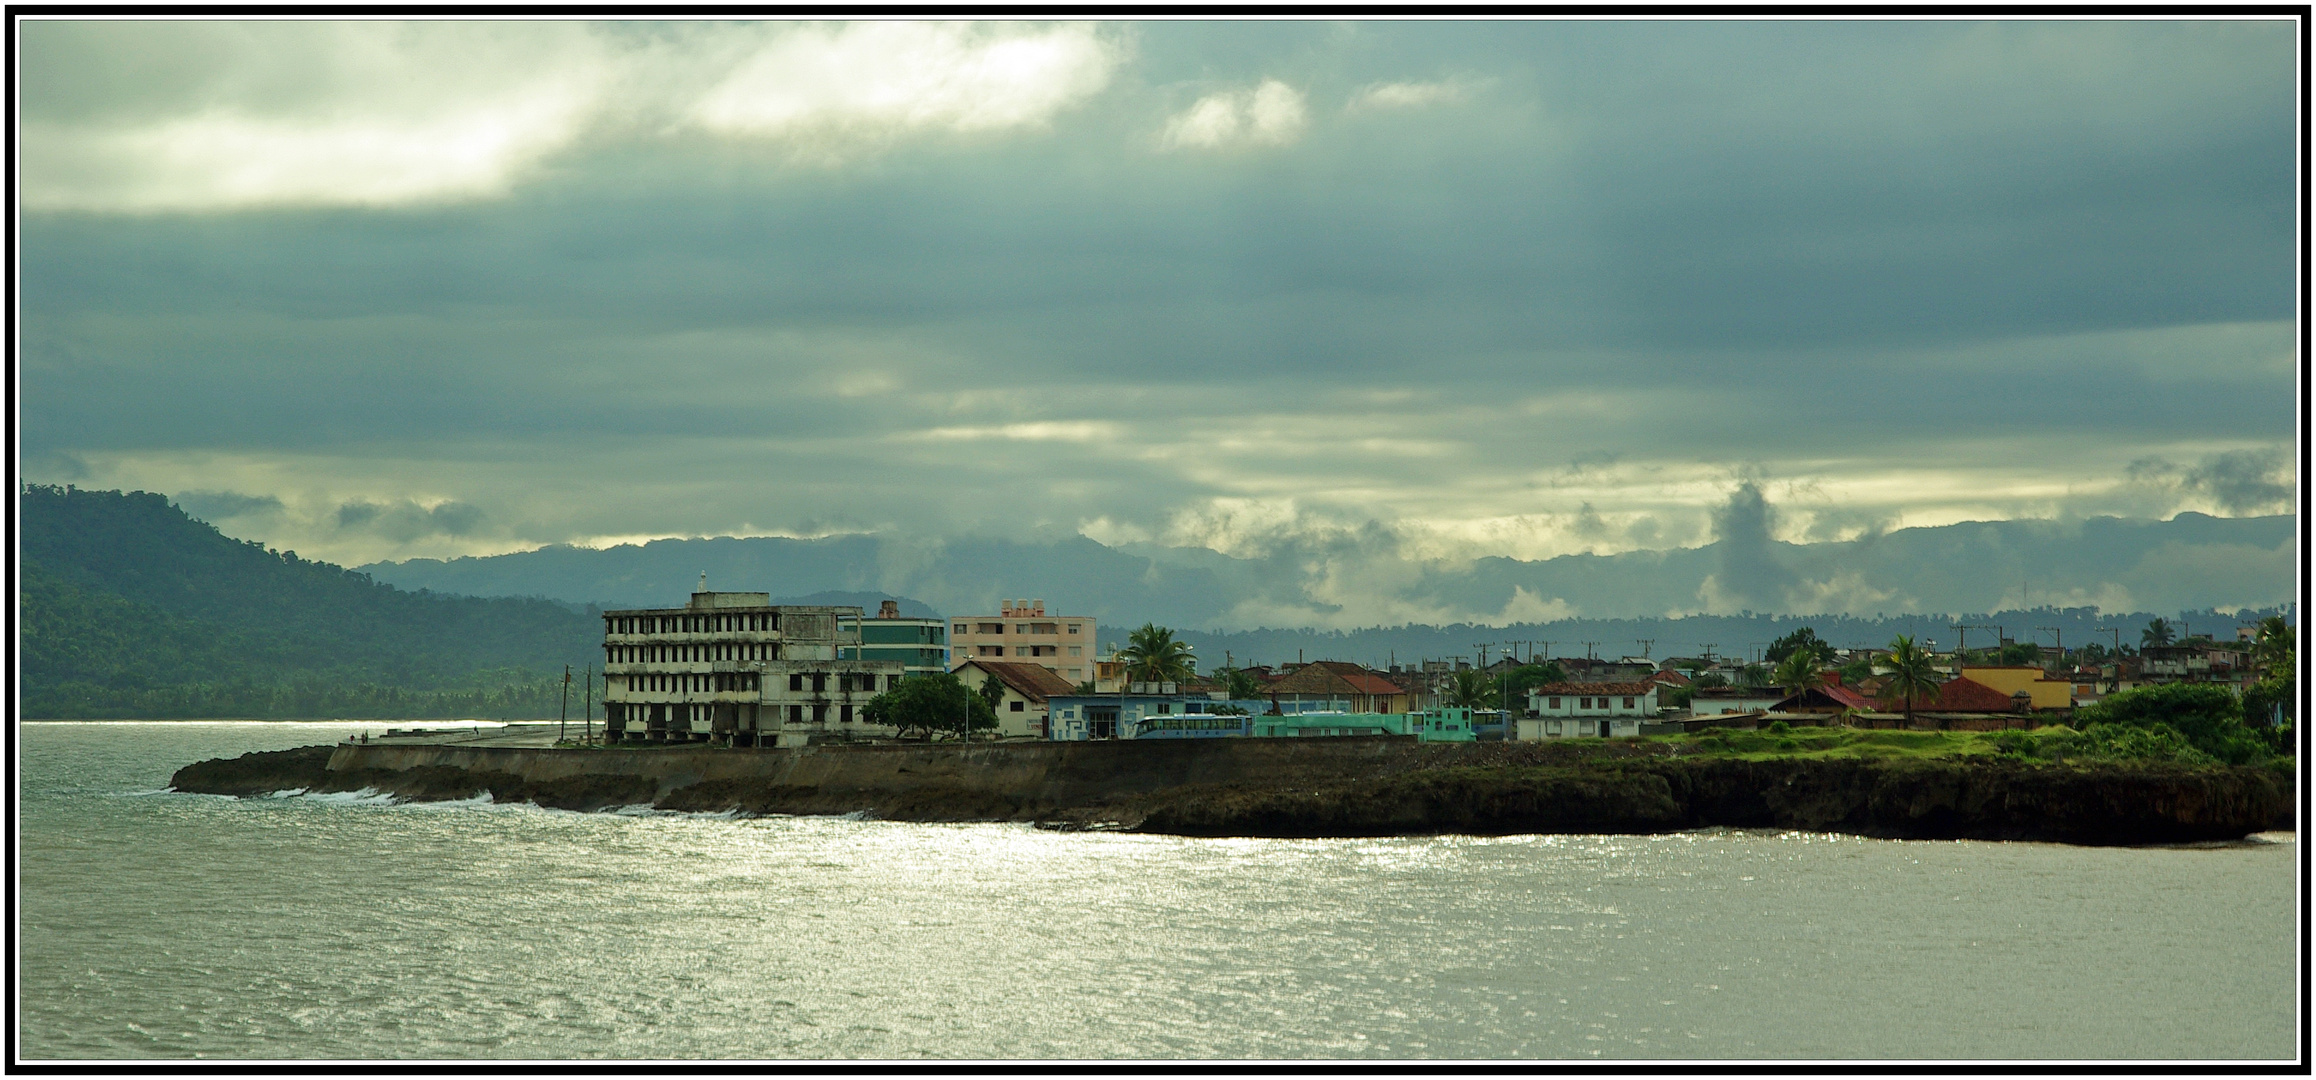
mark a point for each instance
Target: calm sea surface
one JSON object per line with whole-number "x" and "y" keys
{"x": 163, "y": 925}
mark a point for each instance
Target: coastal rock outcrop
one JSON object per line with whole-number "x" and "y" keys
{"x": 1349, "y": 788}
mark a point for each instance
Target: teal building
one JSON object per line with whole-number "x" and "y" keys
{"x": 920, "y": 646}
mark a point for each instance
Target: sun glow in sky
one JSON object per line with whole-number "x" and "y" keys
{"x": 376, "y": 290}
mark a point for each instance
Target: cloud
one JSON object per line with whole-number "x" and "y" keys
{"x": 391, "y": 113}
{"x": 1271, "y": 114}
{"x": 1750, "y": 574}
{"x": 870, "y": 80}
{"x": 2236, "y": 482}
{"x": 404, "y": 520}
{"x": 1410, "y": 95}
{"x": 382, "y": 113}
{"x": 216, "y": 506}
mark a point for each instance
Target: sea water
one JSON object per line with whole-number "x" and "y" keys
{"x": 155, "y": 924}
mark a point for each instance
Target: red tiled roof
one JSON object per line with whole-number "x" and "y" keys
{"x": 1669, "y": 677}
{"x": 1611, "y": 689}
{"x": 1333, "y": 677}
{"x": 1838, "y": 696}
{"x": 1961, "y": 695}
{"x": 1033, "y": 681}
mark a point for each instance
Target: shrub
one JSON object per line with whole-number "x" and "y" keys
{"x": 1779, "y": 727}
{"x": 2205, "y": 717}
{"x": 2016, "y": 743}
{"x": 1788, "y": 744}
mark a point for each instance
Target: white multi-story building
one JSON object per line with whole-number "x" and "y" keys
{"x": 1601, "y": 710}
{"x": 732, "y": 668}
{"x": 1022, "y": 633}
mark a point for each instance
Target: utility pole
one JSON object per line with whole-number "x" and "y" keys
{"x": 1588, "y": 650}
{"x": 565, "y": 716}
{"x": 1547, "y": 650}
{"x": 1483, "y": 647}
{"x": 1644, "y": 644}
{"x": 587, "y": 709}
{"x": 2057, "y": 640}
{"x": 1709, "y": 652}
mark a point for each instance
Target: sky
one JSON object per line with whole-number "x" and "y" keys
{"x": 1438, "y": 291}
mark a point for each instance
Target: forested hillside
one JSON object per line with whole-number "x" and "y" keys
{"x": 131, "y": 608}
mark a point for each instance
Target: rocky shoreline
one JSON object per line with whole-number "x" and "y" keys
{"x": 1472, "y": 790}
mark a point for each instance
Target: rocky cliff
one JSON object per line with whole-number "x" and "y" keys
{"x": 1314, "y": 788}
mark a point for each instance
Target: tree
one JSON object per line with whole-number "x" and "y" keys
{"x": 1513, "y": 685}
{"x": 1799, "y": 671}
{"x": 1709, "y": 680}
{"x": 1152, "y": 655}
{"x": 2273, "y": 648}
{"x": 2158, "y": 632}
{"x": 1753, "y": 675}
{"x": 1471, "y": 689}
{"x": 1910, "y": 672}
{"x": 1238, "y": 684}
{"x": 1804, "y": 640}
{"x": 928, "y": 703}
{"x": 992, "y": 693}
{"x": 2017, "y": 653}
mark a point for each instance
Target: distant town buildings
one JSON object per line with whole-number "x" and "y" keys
{"x": 735, "y": 669}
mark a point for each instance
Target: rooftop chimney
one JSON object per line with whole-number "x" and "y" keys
{"x": 703, "y": 582}
{"x": 889, "y": 610}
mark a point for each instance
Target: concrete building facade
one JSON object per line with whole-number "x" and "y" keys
{"x": 730, "y": 667}
{"x": 1021, "y": 632}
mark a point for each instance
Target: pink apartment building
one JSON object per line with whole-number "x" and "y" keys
{"x": 1021, "y": 632}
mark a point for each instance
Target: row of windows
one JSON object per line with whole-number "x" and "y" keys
{"x": 846, "y": 682}
{"x": 696, "y": 684}
{"x": 1040, "y": 628}
{"x": 682, "y": 654}
{"x": 1027, "y": 650}
{"x": 690, "y": 624}
{"x": 1587, "y": 703}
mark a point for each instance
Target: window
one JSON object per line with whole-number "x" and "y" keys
{"x": 1554, "y": 703}
{"x": 844, "y": 715}
{"x": 819, "y": 683}
{"x": 1077, "y": 650}
{"x": 1585, "y": 704}
{"x": 1021, "y": 628}
{"x": 1628, "y": 703}
{"x": 1073, "y": 631}
{"x": 1043, "y": 628}
{"x": 796, "y": 681}
{"x": 1014, "y": 707}
{"x": 992, "y": 628}
{"x": 796, "y": 714}
{"x": 960, "y": 628}
{"x": 893, "y": 682}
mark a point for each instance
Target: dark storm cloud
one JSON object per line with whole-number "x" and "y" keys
{"x": 1750, "y": 574}
{"x": 1947, "y": 246}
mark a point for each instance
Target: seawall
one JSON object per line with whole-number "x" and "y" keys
{"x": 1322, "y": 787}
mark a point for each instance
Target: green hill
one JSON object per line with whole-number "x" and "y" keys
{"x": 131, "y": 608}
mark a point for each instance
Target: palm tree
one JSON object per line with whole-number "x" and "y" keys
{"x": 1152, "y": 655}
{"x": 2273, "y": 646}
{"x": 1798, "y": 671}
{"x": 1911, "y": 675}
{"x": 2157, "y": 633}
{"x": 1471, "y": 688}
